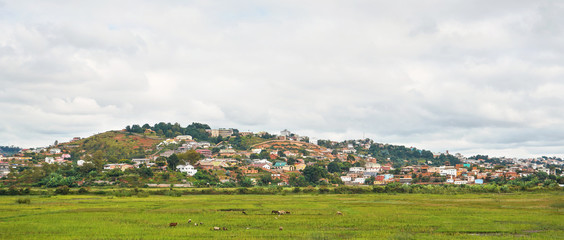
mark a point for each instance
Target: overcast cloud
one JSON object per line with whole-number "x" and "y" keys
{"x": 476, "y": 77}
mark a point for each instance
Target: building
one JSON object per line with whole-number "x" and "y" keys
{"x": 206, "y": 152}
{"x": 55, "y": 151}
{"x": 183, "y": 138}
{"x": 4, "y": 169}
{"x": 223, "y": 132}
{"x": 285, "y": 133}
{"x": 188, "y": 169}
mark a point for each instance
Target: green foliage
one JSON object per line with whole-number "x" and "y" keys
{"x": 23, "y": 201}
{"x": 313, "y": 174}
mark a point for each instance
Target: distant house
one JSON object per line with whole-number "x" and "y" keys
{"x": 55, "y": 151}
{"x": 120, "y": 166}
{"x": 479, "y": 181}
{"x": 140, "y": 161}
{"x": 188, "y": 169}
{"x": 279, "y": 165}
{"x": 183, "y": 137}
{"x": 4, "y": 169}
{"x": 206, "y": 152}
{"x": 346, "y": 178}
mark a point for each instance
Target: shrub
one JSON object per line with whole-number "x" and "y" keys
{"x": 143, "y": 194}
{"x": 62, "y": 190}
{"x": 83, "y": 191}
{"x": 23, "y": 201}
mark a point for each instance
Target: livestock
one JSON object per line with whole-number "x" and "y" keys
{"x": 244, "y": 213}
{"x": 274, "y": 211}
{"x": 201, "y": 223}
{"x": 339, "y": 213}
{"x": 216, "y": 228}
{"x": 224, "y": 229}
{"x": 287, "y": 212}
{"x": 280, "y": 228}
{"x": 172, "y": 224}
{"x": 189, "y": 220}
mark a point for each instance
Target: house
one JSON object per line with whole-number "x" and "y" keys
{"x": 206, "y": 152}
{"x": 346, "y": 178}
{"x": 359, "y": 180}
{"x": 279, "y": 165}
{"x": 356, "y": 169}
{"x": 120, "y": 166}
{"x": 447, "y": 171}
{"x": 188, "y": 169}
{"x": 55, "y": 151}
{"x": 4, "y": 169}
{"x": 140, "y": 161}
{"x": 183, "y": 138}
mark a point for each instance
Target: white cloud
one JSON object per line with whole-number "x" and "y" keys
{"x": 478, "y": 77}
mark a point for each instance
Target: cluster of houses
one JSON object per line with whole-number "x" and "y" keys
{"x": 372, "y": 171}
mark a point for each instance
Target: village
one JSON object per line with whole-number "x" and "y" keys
{"x": 283, "y": 159}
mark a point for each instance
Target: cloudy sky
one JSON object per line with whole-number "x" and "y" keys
{"x": 475, "y": 77}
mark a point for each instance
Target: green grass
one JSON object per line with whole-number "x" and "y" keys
{"x": 366, "y": 216}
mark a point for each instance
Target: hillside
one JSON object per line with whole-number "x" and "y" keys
{"x": 116, "y": 145}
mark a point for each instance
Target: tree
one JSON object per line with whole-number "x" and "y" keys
{"x": 190, "y": 156}
{"x": 334, "y": 167}
{"x": 172, "y": 161}
{"x": 312, "y": 174}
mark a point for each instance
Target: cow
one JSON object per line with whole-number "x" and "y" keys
{"x": 224, "y": 229}
{"x": 189, "y": 220}
{"x": 274, "y": 211}
{"x": 287, "y": 212}
{"x": 244, "y": 213}
{"x": 172, "y": 224}
{"x": 280, "y": 228}
{"x": 216, "y": 228}
{"x": 339, "y": 213}
{"x": 201, "y": 223}
{"x": 281, "y": 212}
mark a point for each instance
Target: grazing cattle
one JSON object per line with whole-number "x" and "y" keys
{"x": 244, "y": 213}
{"x": 224, "y": 229}
{"x": 339, "y": 213}
{"x": 280, "y": 228}
{"x": 195, "y": 224}
{"x": 201, "y": 223}
{"x": 189, "y": 220}
{"x": 287, "y": 212}
{"x": 172, "y": 224}
{"x": 216, "y": 228}
{"x": 274, "y": 212}
{"x": 281, "y": 212}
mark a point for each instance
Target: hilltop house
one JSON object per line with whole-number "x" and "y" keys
{"x": 188, "y": 169}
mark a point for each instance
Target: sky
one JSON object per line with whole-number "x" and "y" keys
{"x": 474, "y": 77}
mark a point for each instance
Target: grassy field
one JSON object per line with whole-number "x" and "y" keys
{"x": 366, "y": 216}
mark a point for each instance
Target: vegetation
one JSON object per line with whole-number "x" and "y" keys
{"x": 127, "y": 215}
{"x": 9, "y": 150}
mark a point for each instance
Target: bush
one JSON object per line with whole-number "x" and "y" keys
{"x": 143, "y": 194}
{"x": 62, "y": 190}
{"x": 23, "y": 201}
{"x": 83, "y": 191}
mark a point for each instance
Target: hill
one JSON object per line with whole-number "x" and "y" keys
{"x": 116, "y": 145}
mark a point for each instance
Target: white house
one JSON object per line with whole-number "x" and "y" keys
{"x": 359, "y": 180}
{"x": 80, "y": 162}
{"x": 188, "y": 169}
{"x": 356, "y": 169}
{"x": 447, "y": 171}
{"x": 183, "y": 137}
{"x": 50, "y": 160}
{"x": 55, "y": 151}
{"x": 346, "y": 178}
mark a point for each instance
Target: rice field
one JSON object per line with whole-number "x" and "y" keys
{"x": 365, "y": 216}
